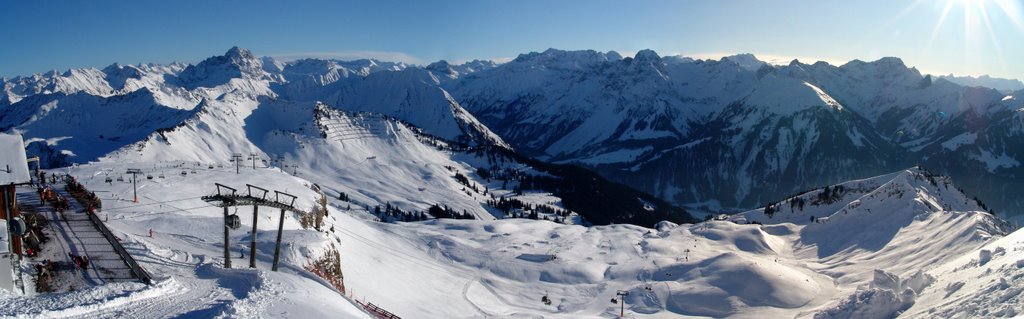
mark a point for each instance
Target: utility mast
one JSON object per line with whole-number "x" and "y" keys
{"x": 236, "y": 158}
{"x": 622, "y": 302}
{"x": 253, "y": 157}
{"x": 135, "y": 182}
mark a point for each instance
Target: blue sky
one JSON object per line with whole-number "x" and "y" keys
{"x": 975, "y": 37}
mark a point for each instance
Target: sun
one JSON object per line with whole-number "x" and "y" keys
{"x": 977, "y": 20}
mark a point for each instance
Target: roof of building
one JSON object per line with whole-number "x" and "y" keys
{"x": 13, "y": 164}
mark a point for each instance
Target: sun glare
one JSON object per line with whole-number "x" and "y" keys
{"x": 977, "y": 21}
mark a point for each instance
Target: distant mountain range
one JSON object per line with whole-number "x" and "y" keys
{"x": 1003, "y": 85}
{"x": 735, "y": 133}
{"x": 714, "y": 136}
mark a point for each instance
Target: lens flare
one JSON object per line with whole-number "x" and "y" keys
{"x": 977, "y": 23}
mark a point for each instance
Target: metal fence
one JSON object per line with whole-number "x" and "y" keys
{"x": 137, "y": 270}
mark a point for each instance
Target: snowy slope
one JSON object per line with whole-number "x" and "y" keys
{"x": 188, "y": 279}
{"x": 717, "y": 133}
{"x": 625, "y": 117}
{"x": 81, "y": 127}
{"x": 788, "y": 267}
{"x": 414, "y": 128}
{"x": 980, "y": 283}
{"x": 619, "y": 115}
{"x": 415, "y": 96}
{"x": 111, "y": 80}
{"x": 415, "y": 176}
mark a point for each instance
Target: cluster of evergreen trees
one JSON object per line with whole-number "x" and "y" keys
{"x": 515, "y": 208}
{"x": 391, "y": 214}
{"x": 444, "y": 212}
{"x": 829, "y": 195}
{"x": 770, "y": 210}
{"x": 797, "y": 203}
{"x": 469, "y": 184}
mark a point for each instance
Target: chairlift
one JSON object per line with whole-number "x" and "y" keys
{"x": 545, "y": 300}
{"x": 162, "y": 175}
{"x": 211, "y": 166}
{"x": 149, "y": 176}
{"x": 108, "y": 180}
{"x": 234, "y": 222}
{"x": 193, "y": 171}
{"x": 184, "y": 173}
{"x": 120, "y": 179}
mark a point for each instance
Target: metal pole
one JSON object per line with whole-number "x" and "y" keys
{"x": 252, "y": 246}
{"x": 622, "y": 302}
{"x": 236, "y": 158}
{"x": 277, "y": 246}
{"x": 135, "y": 190}
{"x": 227, "y": 241}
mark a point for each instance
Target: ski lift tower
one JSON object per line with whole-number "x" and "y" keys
{"x": 255, "y": 196}
{"x": 134, "y": 172}
{"x": 237, "y": 158}
{"x": 622, "y": 302}
{"x": 253, "y": 156}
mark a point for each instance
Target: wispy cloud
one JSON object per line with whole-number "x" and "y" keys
{"x": 350, "y": 55}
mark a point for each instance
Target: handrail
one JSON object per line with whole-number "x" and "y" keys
{"x": 125, "y": 256}
{"x": 136, "y": 270}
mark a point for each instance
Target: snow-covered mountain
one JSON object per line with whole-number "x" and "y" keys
{"x": 373, "y": 115}
{"x": 675, "y": 127}
{"x": 737, "y": 133}
{"x": 1003, "y": 85}
{"x": 80, "y": 127}
{"x": 880, "y": 247}
{"x": 390, "y": 142}
{"x": 715, "y": 135}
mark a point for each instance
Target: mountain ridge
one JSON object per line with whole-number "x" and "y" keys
{"x": 618, "y": 114}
